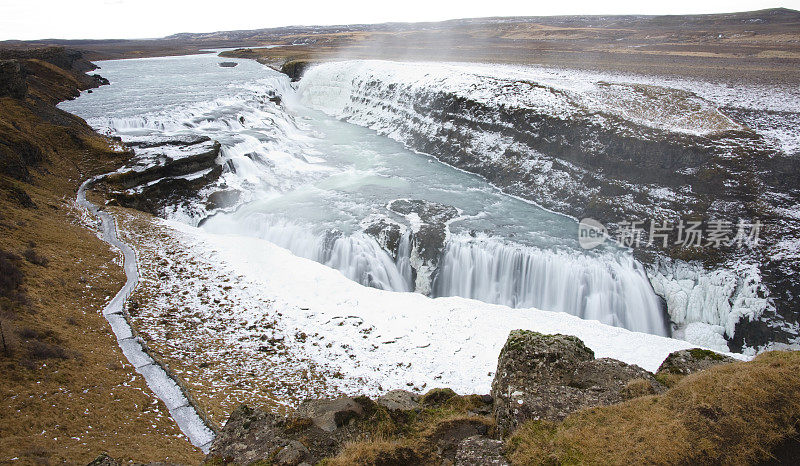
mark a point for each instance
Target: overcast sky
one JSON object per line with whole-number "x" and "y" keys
{"x": 100, "y": 19}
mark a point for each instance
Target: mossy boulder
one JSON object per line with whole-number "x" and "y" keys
{"x": 685, "y": 362}
{"x": 550, "y": 376}
{"x": 437, "y": 396}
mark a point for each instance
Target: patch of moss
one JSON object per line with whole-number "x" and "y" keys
{"x": 699, "y": 353}
{"x": 667, "y": 379}
{"x": 298, "y": 424}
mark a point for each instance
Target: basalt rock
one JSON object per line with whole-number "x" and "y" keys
{"x": 388, "y": 234}
{"x": 550, "y": 376}
{"x": 171, "y": 183}
{"x": 295, "y": 68}
{"x": 429, "y": 233}
{"x": 249, "y": 435}
{"x": 173, "y": 168}
{"x": 12, "y": 79}
{"x": 316, "y": 430}
{"x": 330, "y": 415}
{"x": 155, "y": 197}
{"x": 446, "y": 438}
{"x": 421, "y": 242}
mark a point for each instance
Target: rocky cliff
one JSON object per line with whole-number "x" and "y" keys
{"x": 546, "y": 388}
{"x": 616, "y": 149}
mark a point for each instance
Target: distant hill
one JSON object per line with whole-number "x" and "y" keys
{"x": 756, "y": 45}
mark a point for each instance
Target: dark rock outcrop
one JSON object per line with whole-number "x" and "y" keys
{"x": 173, "y": 168}
{"x": 248, "y": 436}
{"x": 550, "y": 376}
{"x": 31, "y": 127}
{"x": 447, "y": 436}
{"x": 316, "y": 430}
{"x": 174, "y": 182}
{"x": 426, "y": 233}
{"x": 388, "y": 234}
{"x": 329, "y": 415}
{"x": 295, "y": 68}
{"x": 12, "y": 79}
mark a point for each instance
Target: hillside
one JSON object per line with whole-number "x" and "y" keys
{"x": 67, "y": 391}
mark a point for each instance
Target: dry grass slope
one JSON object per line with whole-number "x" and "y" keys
{"x": 67, "y": 392}
{"x": 730, "y": 414}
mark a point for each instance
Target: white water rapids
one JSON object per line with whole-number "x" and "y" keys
{"x": 311, "y": 183}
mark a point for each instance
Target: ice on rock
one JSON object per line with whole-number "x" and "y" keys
{"x": 718, "y": 298}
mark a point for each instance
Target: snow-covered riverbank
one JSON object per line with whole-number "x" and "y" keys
{"x": 252, "y": 320}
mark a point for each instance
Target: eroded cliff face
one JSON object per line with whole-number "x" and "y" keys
{"x": 31, "y": 83}
{"x": 617, "y": 149}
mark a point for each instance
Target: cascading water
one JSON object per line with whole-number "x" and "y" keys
{"x": 613, "y": 290}
{"x": 357, "y": 256}
{"x": 311, "y": 184}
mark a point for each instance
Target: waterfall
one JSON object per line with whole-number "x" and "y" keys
{"x": 611, "y": 289}
{"x": 357, "y": 256}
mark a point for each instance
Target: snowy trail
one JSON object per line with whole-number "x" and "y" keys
{"x": 162, "y": 385}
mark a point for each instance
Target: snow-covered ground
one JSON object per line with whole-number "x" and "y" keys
{"x": 273, "y": 311}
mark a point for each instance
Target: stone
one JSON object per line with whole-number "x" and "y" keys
{"x": 685, "y": 362}
{"x": 293, "y": 454}
{"x": 550, "y": 376}
{"x": 609, "y": 378}
{"x": 249, "y": 435}
{"x": 479, "y": 450}
{"x": 399, "y": 400}
{"x": 330, "y": 415}
{"x": 448, "y": 435}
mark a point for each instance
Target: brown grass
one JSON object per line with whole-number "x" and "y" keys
{"x": 379, "y": 453}
{"x": 414, "y": 438}
{"x": 730, "y": 414}
{"x": 59, "y": 399}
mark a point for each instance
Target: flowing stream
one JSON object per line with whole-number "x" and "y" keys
{"x": 313, "y": 184}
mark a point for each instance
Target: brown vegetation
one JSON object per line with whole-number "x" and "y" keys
{"x": 60, "y": 401}
{"x": 736, "y": 413}
{"x": 422, "y": 437}
{"x": 761, "y": 46}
